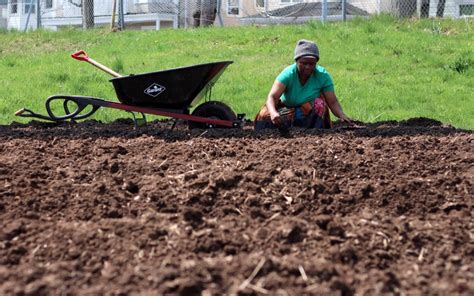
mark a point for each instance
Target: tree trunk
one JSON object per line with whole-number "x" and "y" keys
{"x": 208, "y": 12}
{"x": 88, "y": 14}
{"x": 197, "y": 14}
{"x": 406, "y": 8}
{"x": 440, "y": 8}
{"x": 425, "y": 9}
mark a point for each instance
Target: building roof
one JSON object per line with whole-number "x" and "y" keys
{"x": 311, "y": 9}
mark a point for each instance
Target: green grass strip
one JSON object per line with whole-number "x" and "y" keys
{"x": 383, "y": 68}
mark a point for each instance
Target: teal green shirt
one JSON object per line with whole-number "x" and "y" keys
{"x": 296, "y": 94}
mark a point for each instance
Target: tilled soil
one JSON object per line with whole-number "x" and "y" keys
{"x": 93, "y": 208}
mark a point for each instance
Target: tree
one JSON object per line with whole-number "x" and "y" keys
{"x": 208, "y": 12}
{"x": 88, "y": 14}
{"x": 87, "y": 7}
{"x": 205, "y": 14}
{"x": 440, "y": 8}
{"x": 425, "y": 9}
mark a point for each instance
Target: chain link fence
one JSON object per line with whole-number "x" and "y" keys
{"x": 156, "y": 14}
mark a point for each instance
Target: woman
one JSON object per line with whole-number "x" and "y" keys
{"x": 301, "y": 94}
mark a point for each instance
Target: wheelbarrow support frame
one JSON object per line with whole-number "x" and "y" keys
{"x": 82, "y": 102}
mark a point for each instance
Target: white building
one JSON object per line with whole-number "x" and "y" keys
{"x": 3, "y": 13}
{"x": 405, "y": 8}
{"x": 156, "y": 14}
{"x": 141, "y": 14}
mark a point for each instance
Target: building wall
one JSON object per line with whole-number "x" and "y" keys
{"x": 140, "y": 14}
{"x": 3, "y": 16}
{"x": 451, "y": 8}
{"x": 62, "y": 8}
{"x": 246, "y": 8}
{"x": 19, "y": 20}
{"x": 231, "y": 10}
{"x": 14, "y": 23}
{"x": 405, "y": 7}
{"x": 372, "y": 7}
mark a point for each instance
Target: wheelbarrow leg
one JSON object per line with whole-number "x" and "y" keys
{"x": 138, "y": 122}
{"x": 174, "y": 124}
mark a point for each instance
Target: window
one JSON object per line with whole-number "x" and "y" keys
{"x": 27, "y": 6}
{"x": 14, "y": 6}
{"x": 260, "y": 3}
{"x": 49, "y": 3}
{"x": 466, "y": 9}
{"x": 233, "y": 7}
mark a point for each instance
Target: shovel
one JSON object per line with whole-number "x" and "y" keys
{"x": 81, "y": 55}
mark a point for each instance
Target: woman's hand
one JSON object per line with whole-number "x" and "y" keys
{"x": 335, "y": 107}
{"x": 344, "y": 118}
{"x": 273, "y": 97}
{"x": 275, "y": 117}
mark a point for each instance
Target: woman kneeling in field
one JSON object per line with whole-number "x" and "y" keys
{"x": 301, "y": 94}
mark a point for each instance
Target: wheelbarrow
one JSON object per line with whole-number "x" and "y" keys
{"x": 169, "y": 93}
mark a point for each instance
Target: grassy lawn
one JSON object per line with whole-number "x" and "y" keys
{"x": 383, "y": 68}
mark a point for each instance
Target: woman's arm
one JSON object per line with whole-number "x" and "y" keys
{"x": 335, "y": 107}
{"x": 275, "y": 93}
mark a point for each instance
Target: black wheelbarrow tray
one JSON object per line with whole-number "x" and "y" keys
{"x": 168, "y": 93}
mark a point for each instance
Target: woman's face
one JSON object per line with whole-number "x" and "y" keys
{"x": 306, "y": 65}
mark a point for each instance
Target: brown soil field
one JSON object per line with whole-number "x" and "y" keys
{"x": 93, "y": 209}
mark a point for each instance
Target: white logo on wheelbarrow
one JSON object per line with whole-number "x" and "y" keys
{"x": 154, "y": 90}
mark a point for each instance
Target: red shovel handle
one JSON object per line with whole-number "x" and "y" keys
{"x": 80, "y": 56}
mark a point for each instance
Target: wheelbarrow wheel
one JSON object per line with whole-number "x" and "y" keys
{"x": 213, "y": 110}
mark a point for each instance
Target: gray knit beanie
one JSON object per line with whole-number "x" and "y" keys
{"x": 306, "y": 48}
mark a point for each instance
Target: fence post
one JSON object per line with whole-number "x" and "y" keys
{"x": 112, "y": 20}
{"x": 121, "y": 22}
{"x": 185, "y": 14}
{"x": 219, "y": 4}
{"x": 38, "y": 14}
{"x": 28, "y": 16}
{"x": 343, "y": 10}
{"x": 324, "y": 11}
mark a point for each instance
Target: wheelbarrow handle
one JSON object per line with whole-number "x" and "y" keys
{"x": 81, "y": 55}
{"x": 23, "y": 112}
{"x": 80, "y": 103}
